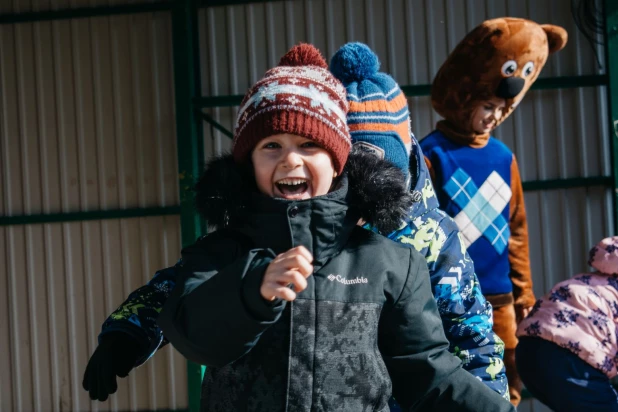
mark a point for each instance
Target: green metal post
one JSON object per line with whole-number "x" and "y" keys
{"x": 611, "y": 59}
{"x": 190, "y": 142}
{"x": 88, "y": 215}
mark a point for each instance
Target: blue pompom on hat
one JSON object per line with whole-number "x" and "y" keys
{"x": 379, "y": 119}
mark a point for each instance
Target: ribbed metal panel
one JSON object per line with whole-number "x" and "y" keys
{"x": 59, "y": 282}
{"x": 87, "y": 115}
{"x": 87, "y": 123}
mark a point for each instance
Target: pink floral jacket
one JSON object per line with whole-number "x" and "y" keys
{"x": 581, "y": 315}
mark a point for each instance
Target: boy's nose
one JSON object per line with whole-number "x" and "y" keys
{"x": 291, "y": 159}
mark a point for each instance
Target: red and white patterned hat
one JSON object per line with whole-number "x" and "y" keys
{"x": 299, "y": 96}
{"x": 604, "y": 256}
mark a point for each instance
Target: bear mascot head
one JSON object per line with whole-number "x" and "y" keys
{"x": 499, "y": 58}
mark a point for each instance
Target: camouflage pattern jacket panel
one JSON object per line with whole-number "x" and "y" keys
{"x": 466, "y": 314}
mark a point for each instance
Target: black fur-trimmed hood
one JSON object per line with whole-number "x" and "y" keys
{"x": 376, "y": 189}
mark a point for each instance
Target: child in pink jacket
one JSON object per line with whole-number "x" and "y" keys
{"x": 568, "y": 349}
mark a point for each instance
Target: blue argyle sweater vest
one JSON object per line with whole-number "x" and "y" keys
{"x": 473, "y": 186}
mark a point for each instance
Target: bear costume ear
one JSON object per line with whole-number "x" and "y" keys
{"x": 556, "y": 37}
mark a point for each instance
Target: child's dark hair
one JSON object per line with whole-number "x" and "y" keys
{"x": 222, "y": 208}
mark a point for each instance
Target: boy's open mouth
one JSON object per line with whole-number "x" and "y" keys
{"x": 292, "y": 187}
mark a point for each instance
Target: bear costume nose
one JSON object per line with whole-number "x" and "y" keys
{"x": 510, "y": 87}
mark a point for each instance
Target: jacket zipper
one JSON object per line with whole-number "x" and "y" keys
{"x": 287, "y": 390}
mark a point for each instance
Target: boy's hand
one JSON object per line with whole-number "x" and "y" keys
{"x": 115, "y": 356}
{"x": 289, "y": 268}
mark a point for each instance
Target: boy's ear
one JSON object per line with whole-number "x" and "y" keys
{"x": 556, "y": 37}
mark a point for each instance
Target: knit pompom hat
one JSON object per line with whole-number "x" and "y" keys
{"x": 604, "y": 256}
{"x": 379, "y": 119}
{"x": 299, "y": 96}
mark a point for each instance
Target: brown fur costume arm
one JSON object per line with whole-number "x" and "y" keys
{"x": 432, "y": 173}
{"x": 518, "y": 244}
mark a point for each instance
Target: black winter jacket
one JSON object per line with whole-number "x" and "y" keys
{"x": 366, "y": 326}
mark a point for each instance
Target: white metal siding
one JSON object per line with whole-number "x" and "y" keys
{"x": 87, "y": 123}
{"x": 58, "y": 282}
{"x": 87, "y": 115}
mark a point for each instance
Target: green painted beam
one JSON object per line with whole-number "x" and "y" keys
{"x": 82, "y": 12}
{"x": 215, "y": 124}
{"x": 570, "y": 82}
{"x": 565, "y": 82}
{"x": 216, "y": 3}
{"x": 88, "y": 215}
{"x": 568, "y": 183}
{"x": 190, "y": 145}
{"x": 611, "y": 67}
{"x": 189, "y": 142}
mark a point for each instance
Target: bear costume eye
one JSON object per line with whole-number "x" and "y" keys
{"x": 509, "y": 68}
{"x": 528, "y": 68}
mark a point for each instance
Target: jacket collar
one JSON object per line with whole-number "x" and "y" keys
{"x": 370, "y": 188}
{"x": 422, "y": 188}
{"x": 472, "y": 139}
{"x": 322, "y": 224}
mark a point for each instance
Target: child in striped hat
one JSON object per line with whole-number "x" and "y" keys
{"x": 379, "y": 122}
{"x": 379, "y": 119}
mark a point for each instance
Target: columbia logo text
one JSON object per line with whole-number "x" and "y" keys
{"x": 345, "y": 281}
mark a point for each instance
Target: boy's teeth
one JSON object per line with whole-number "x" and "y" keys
{"x": 291, "y": 182}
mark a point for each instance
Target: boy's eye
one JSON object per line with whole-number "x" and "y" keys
{"x": 310, "y": 144}
{"x": 271, "y": 145}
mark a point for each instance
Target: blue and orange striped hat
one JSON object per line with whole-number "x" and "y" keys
{"x": 378, "y": 118}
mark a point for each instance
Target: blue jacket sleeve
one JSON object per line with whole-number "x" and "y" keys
{"x": 466, "y": 315}
{"x": 137, "y": 316}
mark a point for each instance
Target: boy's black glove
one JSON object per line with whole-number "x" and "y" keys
{"x": 115, "y": 356}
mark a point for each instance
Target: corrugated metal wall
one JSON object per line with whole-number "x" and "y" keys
{"x": 554, "y": 133}
{"x": 87, "y": 123}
